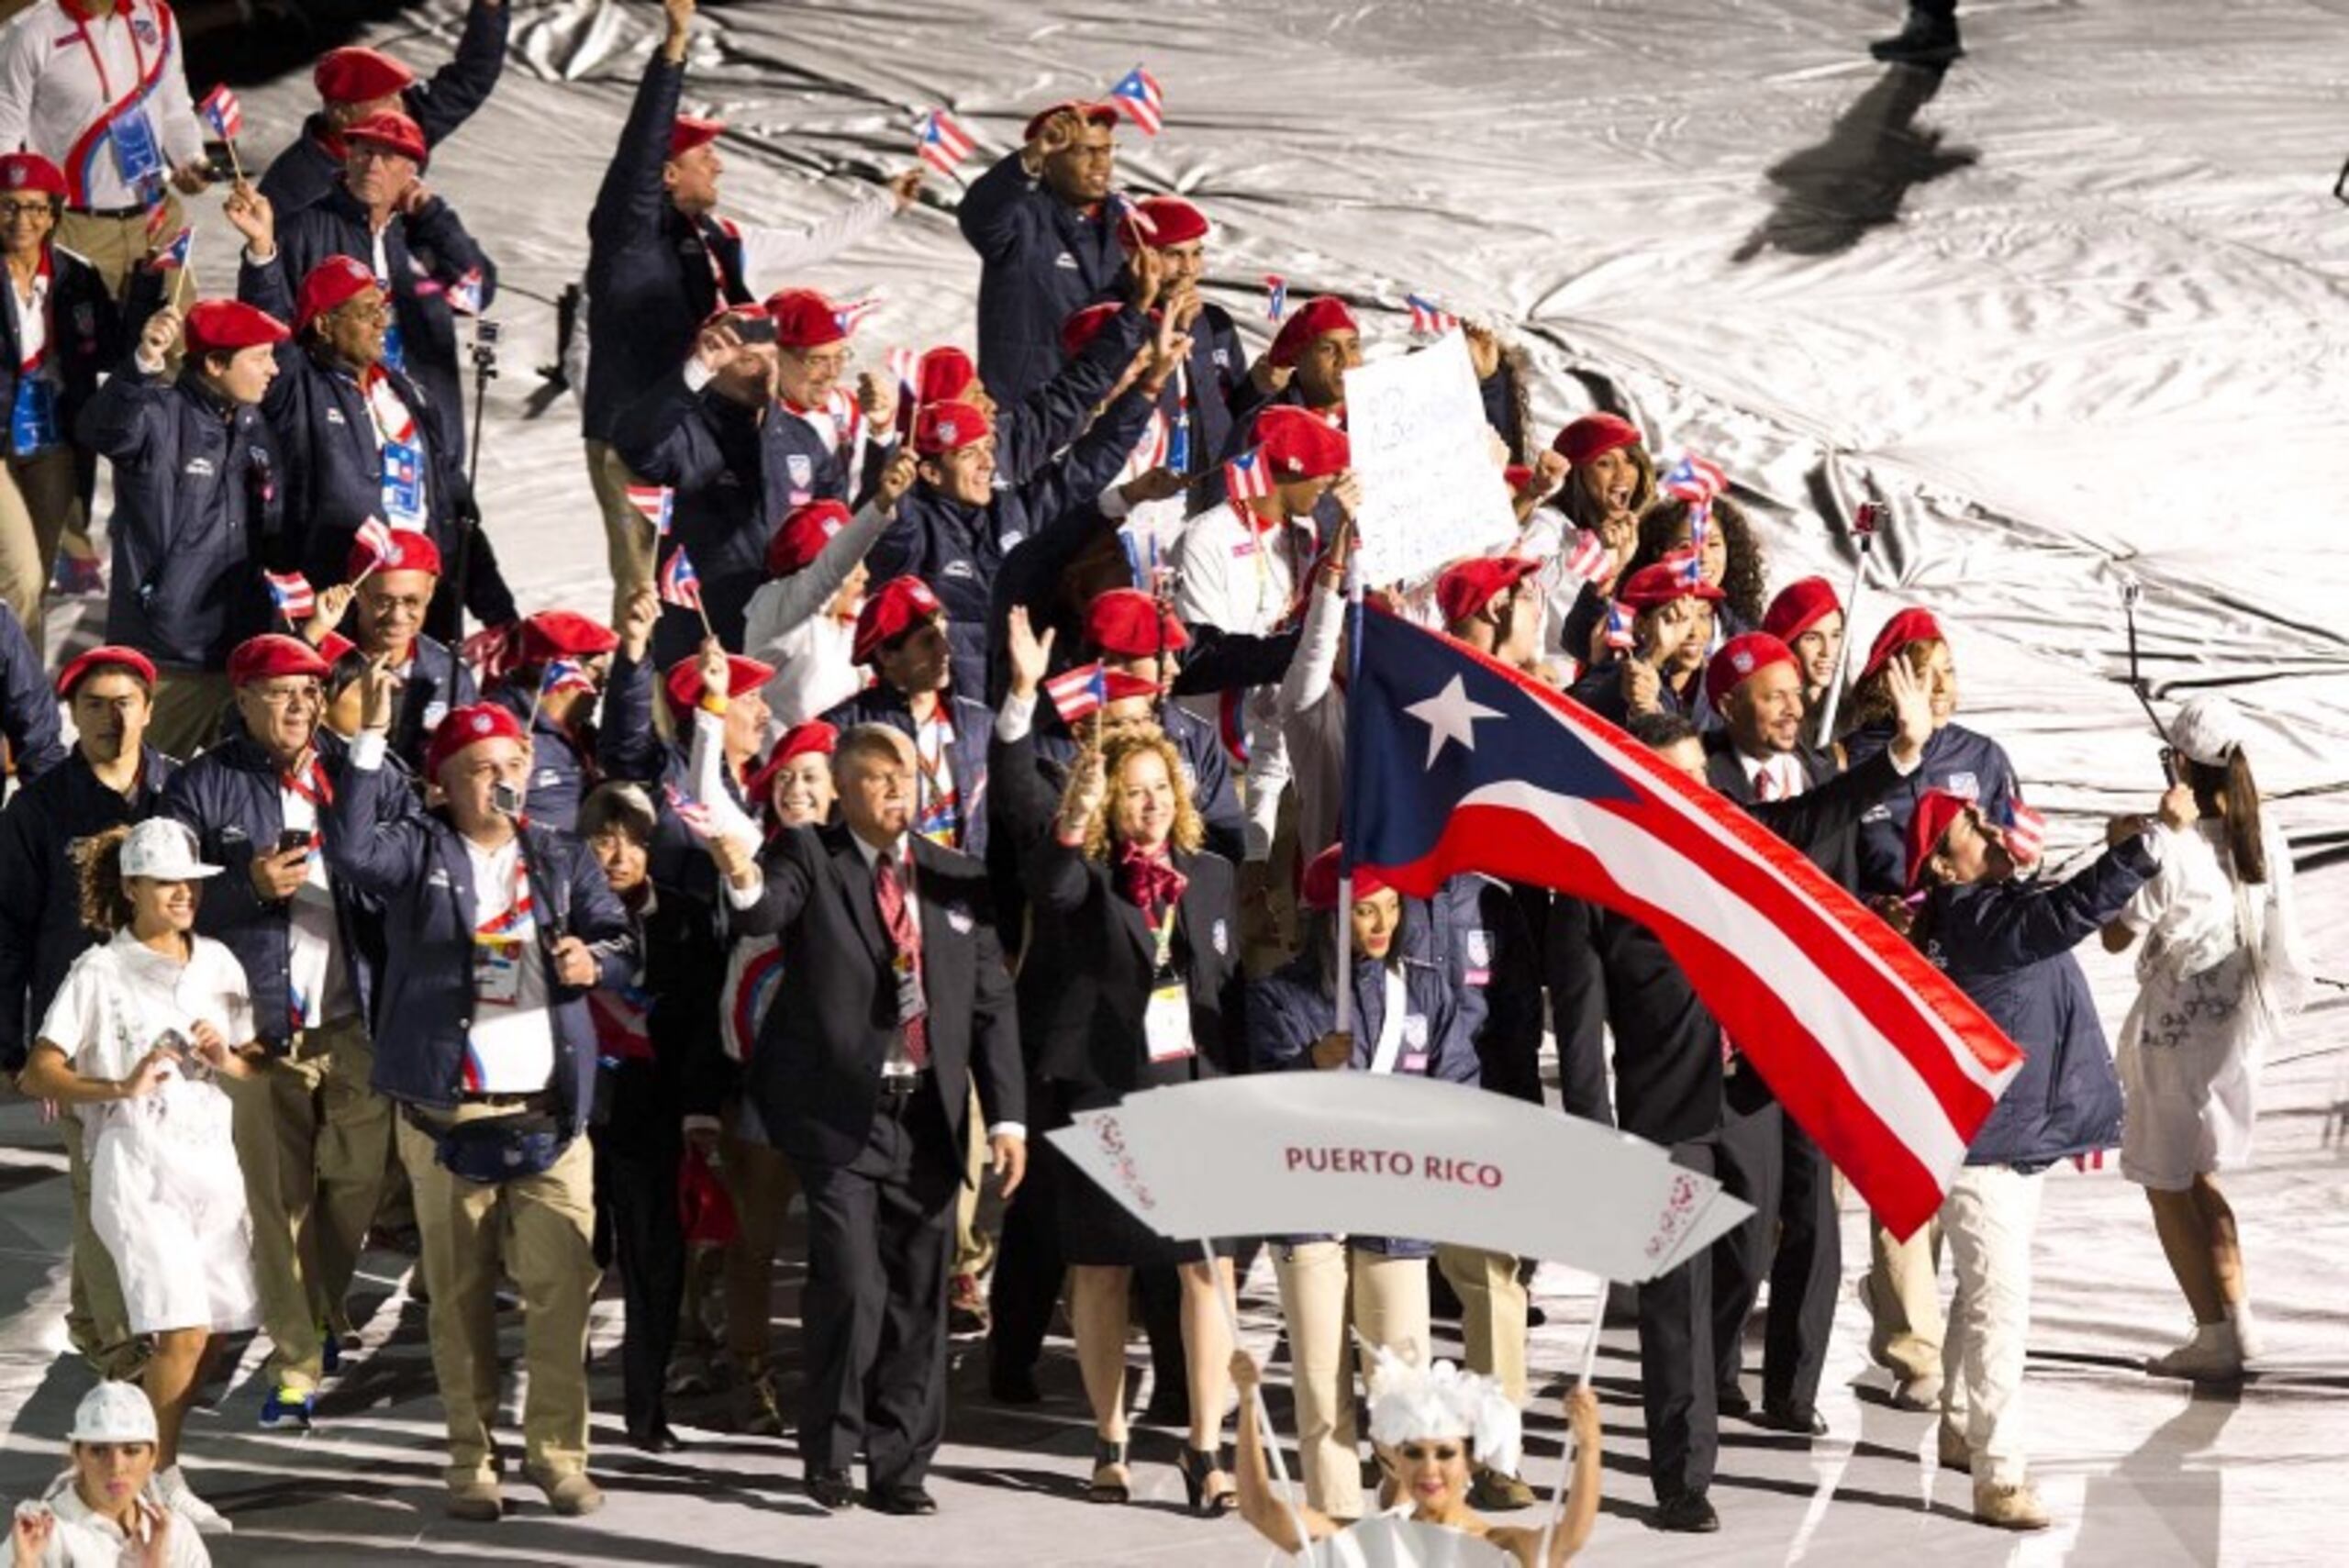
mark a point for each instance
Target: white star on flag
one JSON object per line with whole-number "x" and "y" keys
{"x": 1450, "y": 715}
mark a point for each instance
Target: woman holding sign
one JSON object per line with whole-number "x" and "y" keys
{"x": 1137, "y": 923}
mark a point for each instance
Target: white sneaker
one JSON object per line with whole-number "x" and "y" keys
{"x": 171, "y": 1486}
{"x": 2009, "y": 1508}
{"x": 1917, "y": 1392}
{"x": 2212, "y": 1356}
{"x": 2248, "y": 1339}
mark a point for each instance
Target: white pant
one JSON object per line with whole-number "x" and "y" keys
{"x": 1987, "y": 1222}
{"x": 1323, "y": 1285}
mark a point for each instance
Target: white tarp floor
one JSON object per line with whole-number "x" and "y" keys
{"x": 2074, "y": 309}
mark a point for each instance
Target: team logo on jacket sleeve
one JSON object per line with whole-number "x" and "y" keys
{"x": 959, "y": 920}
{"x": 802, "y": 467}
{"x": 1219, "y": 934}
{"x": 1965, "y": 785}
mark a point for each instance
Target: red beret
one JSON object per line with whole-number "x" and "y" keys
{"x": 1128, "y": 624}
{"x": 469, "y": 725}
{"x": 946, "y": 374}
{"x": 1083, "y": 326}
{"x": 359, "y": 75}
{"x": 902, "y": 603}
{"x": 1907, "y": 627}
{"x": 1097, "y": 114}
{"x": 1744, "y": 656}
{"x": 395, "y": 132}
{"x": 1319, "y": 888}
{"x": 563, "y": 634}
{"x": 1468, "y": 587}
{"x": 106, "y": 656}
{"x": 950, "y": 426}
{"x": 804, "y": 319}
{"x": 799, "y": 740}
{"x": 1936, "y": 811}
{"x": 334, "y": 282}
{"x": 805, "y": 533}
{"x": 1664, "y": 581}
{"x": 412, "y": 551}
{"x": 272, "y": 654}
{"x": 31, "y": 172}
{"x": 225, "y": 325}
{"x": 1310, "y": 320}
{"x": 1297, "y": 444}
{"x": 1170, "y": 219}
{"x": 683, "y": 681}
{"x": 689, "y": 131}
{"x": 1593, "y": 436}
{"x": 1800, "y": 605}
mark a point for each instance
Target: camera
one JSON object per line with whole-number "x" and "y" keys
{"x": 505, "y": 800}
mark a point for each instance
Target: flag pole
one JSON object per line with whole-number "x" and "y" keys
{"x": 1582, "y": 1380}
{"x": 1826, "y": 735}
{"x": 1258, "y": 1411}
{"x": 1343, "y": 980}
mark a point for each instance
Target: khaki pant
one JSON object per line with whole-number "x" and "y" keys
{"x": 1323, "y": 1285}
{"x": 1989, "y": 1217}
{"x": 1492, "y": 1314}
{"x": 628, "y": 537}
{"x": 39, "y": 505}
{"x": 303, "y": 1122}
{"x": 96, "y": 1321}
{"x": 539, "y": 1231}
{"x": 188, "y": 708}
{"x": 1904, "y": 1296}
{"x": 760, "y": 1181}
{"x": 975, "y": 1232}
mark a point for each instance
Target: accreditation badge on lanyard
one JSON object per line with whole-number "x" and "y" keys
{"x": 499, "y": 943}
{"x": 403, "y": 485}
{"x": 32, "y": 423}
{"x": 130, "y": 135}
{"x": 1166, "y": 1022}
{"x": 912, "y": 1002}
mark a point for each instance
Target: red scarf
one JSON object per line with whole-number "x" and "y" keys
{"x": 1148, "y": 880}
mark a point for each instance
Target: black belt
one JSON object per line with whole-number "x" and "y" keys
{"x": 902, "y": 1087}
{"x": 134, "y": 210}
{"x": 541, "y": 1101}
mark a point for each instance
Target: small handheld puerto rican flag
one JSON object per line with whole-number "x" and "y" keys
{"x": 1619, "y": 628}
{"x": 680, "y": 584}
{"x": 691, "y": 812}
{"x": 1248, "y": 476}
{"x": 564, "y": 675}
{"x": 850, "y": 315}
{"x": 905, "y": 369}
{"x": 377, "y": 535}
{"x": 223, "y": 113}
{"x": 657, "y": 504}
{"x": 464, "y": 295}
{"x": 1123, "y": 210}
{"x": 2027, "y": 835}
{"x": 1078, "y": 692}
{"x": 292, "y": 594}
{"x": 1694, "y": 480}
{"x": 1588, "y": 558}
{"x": 174, "y": 255}
{"x": 1692, "y": 565}
{"x": 942, "y": 143}
{"x": 1276, "y": 296}
{"x": 1428, "y": 320}
{"x": 1137, "y": 93}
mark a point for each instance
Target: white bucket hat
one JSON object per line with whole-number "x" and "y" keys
{"x": 113, "y": 1413}
{"x": 163, "y": 850}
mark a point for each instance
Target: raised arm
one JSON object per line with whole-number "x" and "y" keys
{"x": 439, "y": 105}
{"x": 629, "y": 202}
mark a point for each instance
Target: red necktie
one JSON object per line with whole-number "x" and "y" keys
{"x": 1766, "y": 785}
{"x": 897, "y": 919}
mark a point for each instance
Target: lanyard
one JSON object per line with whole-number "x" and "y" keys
{"x": 933, "y": 764}
{"x": 311, "y": 785}
{"x": 1163, "y": 938}
{"x": 1257, "y": 530}
{"x": 385, "y": 430}
{"x": 98, "y": 61}
{"x": 517, "y": 899}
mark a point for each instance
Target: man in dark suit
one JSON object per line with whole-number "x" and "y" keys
{"x": 1673, "y": 1074}
{"x": 900, "y": 1002}
{"x": 1755, "y": 683}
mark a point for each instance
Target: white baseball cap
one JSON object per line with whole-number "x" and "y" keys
{"x": 163, "y": 850}
{"x": 113, "y": 1413}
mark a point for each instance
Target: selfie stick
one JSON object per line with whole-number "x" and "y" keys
{"x": 2128, "y": 592}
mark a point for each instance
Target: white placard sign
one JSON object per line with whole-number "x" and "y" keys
{"x": 1423, "y": 448}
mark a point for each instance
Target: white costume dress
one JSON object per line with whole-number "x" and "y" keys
{"x": 2221, "y": 968}
{"x": 82, "y": 1538}
{"x": 167, "y": 1196}
{"x": 1395, "y": 1540}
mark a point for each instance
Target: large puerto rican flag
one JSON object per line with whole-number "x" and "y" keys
{"x": 1456, "y": 763}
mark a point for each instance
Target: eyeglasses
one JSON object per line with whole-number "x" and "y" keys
{"x": 825, "y": 365}
{"x": 23, "y": 209}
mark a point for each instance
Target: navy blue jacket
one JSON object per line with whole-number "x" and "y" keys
{"x": 1031, "y": 431}
{"x": 562, "y": 768}
{"x": 1477, "y": 930}
{"x": 1290, "y": 1009}
{"x": 1039, "y": 261}
{"x": 415, "y": 865}
{"x": 40, "y": 913}
{"x": 198, "y": 514}
{"x": 306, "y": 170}
{"x": 958, "y": 549}
{"x": 629, "y": 748}
{"x": 229, "y": 794}
{"x": 1956, "y": 760}
{"x": 973, "y": 729}
{"x": 86, "y": 336}
{"x": 437, "y": 681}
{"x": 737, "y": 477}
{"x": 427, "y": 254}
{"x": 27, "y": 703}
{"x": 334, "y": 471}
{"x": 2009, "y": 946}
{"x": 649, "y": 287}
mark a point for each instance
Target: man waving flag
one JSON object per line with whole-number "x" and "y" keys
{"x": 1457, "y": 764}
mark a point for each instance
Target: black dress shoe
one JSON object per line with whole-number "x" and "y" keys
{"x": 1731, "y": 1401}
{"x": 1014, "y": 1385}
{"x": 831, "y": 1490}
{"x": 656, "y": 1440}
{"x": 1687, "y": 1513}
{"x": 1928, "y": 42}
{"x": 1789, "y": 1416}
{"x": 904, "y": 1499}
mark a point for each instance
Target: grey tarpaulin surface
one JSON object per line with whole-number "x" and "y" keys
{"x": 2074, "y": 309}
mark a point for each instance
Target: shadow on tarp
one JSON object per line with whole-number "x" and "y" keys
{"x": 1832, "y": 193}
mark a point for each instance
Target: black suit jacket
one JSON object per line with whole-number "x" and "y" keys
{"x": 1835, "y": 852}
{"x": 1668, "y": 1079}
{"x": 814, "y": 1074}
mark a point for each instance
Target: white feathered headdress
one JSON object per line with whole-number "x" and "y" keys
{"x": 1412, "y": 1403}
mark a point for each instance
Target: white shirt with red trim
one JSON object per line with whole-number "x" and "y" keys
{"x": 63, "y": 77}
{"x": 510, "y": 1050}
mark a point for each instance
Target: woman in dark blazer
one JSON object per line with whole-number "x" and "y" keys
{"x": 1135, "y": 924}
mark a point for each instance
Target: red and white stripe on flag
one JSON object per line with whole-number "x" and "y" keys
{"x": 1248, "y": 476}
{"x": 377, "y": 535}
{"x": 2027, "y": 836}
{"x": 1076, "y": 693}
{"x": 1138, "y": 94}
{"x": 656, "y": 502}
{"x": 1587, "y": 559}
{"x": 943, "y": 144}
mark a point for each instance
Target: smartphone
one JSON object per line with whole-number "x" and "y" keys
{"x": 2169, "y": 764}
{"x": 294, "y": 839}
{"x": 757, "y": 328}
{"x": 505, "y": 800}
